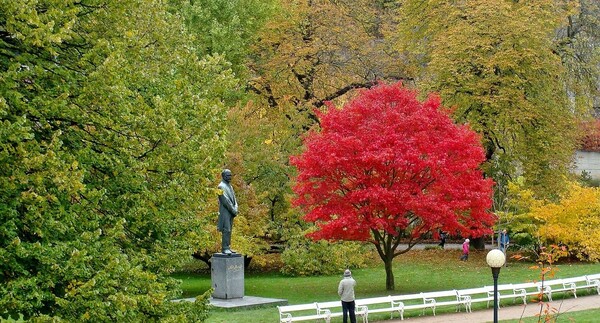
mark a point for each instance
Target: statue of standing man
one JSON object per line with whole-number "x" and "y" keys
{"x": 228, "y": 209}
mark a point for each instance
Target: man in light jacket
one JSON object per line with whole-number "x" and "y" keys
{"x": 346, "y": 292}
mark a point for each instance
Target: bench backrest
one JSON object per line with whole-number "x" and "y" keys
{"x": 503, "y": 287}
{"x": 299, "y": 307}
{"x": 441, "y": 294}
{"x": 330, "y": 304}
{"x": 530, "y": 285}
{"x": 474, "y": 291}
{"x": 407, "y": 299}
{"x": 374, "y": 300}
{"x": 593, "y": 277}
{"x": 580, "y": 279}
{"x": 551, "y": 282}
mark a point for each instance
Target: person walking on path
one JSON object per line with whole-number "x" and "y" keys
{"x": 346, "y": 292}
{"x": 465, "y": 248}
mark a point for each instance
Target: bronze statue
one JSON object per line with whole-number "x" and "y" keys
{"x": 228, "y": 209}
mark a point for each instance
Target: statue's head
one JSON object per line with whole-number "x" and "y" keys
{"x": 226, "y": 175}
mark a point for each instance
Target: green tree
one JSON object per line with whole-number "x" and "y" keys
{"x": 226, "y": 27}
{"x": 111, "y": 133}
{"x": 578, "y": 44}
{"x": 496, "y": 62}
{"x": 229, "y": 28}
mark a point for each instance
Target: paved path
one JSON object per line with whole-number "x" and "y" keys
{"x": 509, "y": 312}
{"x": 422, "y": 246}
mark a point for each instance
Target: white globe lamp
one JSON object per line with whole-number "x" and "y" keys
{"x": 495, "y": 259}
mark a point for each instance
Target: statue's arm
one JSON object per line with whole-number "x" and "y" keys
{"x": 233, "y": 209}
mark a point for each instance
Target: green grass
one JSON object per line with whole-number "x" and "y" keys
{"x": 588, "y": 316}
{"x": 416, "y": 271}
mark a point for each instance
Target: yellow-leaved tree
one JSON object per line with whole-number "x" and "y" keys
{"x": 572, "y": 221}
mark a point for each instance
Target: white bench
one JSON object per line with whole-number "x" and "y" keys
{"x": 522, "y": 290}
{"x": 479, "y": 294}
{"x": 570, "y": 285}
{"x": 593, "y": 281}
{"x": 505, "y": 291}
{"x": 437, "y": 299}
{"x": 301, "y": 312}
{"x": 334, "y": 309}
{"x": 547, "y": 287}
{"x": 385, "y": 304}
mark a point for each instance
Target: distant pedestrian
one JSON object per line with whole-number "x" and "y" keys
{"x": 443, "y": 236}
{"x": 465, "y": 248}
{"x": 504, "y": 241}
{"x": 346, "y": 292}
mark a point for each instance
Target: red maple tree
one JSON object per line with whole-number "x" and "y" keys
{"x": 388, "y": 168}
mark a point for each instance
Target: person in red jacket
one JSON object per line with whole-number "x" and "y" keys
{"x": 465, "y": 255}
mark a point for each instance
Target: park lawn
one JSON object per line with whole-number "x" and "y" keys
{"x": 415, "y": 271}
{"x": 588, "y": 316}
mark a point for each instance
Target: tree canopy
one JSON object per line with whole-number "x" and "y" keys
{"x": 112, "y": 133}
{"x": 497, "y": 62}
{"x": 388, "y": 167}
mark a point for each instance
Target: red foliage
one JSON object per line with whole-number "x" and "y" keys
{"x": 388, "y": 163}
{"x": 591, "y": 138}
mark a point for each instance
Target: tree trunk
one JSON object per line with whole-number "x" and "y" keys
{"x": 204, "y": 256}
{"x": 389, "y": 274}
{"x": 478, "y": 243}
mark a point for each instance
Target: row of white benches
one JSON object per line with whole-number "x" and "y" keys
{"x": 430, "y": 300}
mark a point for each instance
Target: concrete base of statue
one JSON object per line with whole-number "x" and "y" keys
{"x": 227, "y": 275}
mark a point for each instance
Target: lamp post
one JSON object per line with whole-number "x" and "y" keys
{"x": 495, "y": 259}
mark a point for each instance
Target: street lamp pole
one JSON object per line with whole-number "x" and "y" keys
{"x": 495, "y": 259}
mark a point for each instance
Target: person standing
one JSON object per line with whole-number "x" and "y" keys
{"x": 504, "y": 241}
{"x": 228, "y": 209}
{"x": 465, "y": 248}
{"x": 443, "y": 236}
{"x": 346, "y": 292}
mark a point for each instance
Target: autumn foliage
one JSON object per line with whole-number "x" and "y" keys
{"x": 388, "y": 166}
{"x": 573, "y": 221}
{"x": 591, "y": 138}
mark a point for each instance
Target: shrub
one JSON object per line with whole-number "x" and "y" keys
{"x": 304, "y": 257}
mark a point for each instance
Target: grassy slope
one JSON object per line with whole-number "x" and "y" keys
{"x": 589, "y": 316}
{"x": 416, "y": 271}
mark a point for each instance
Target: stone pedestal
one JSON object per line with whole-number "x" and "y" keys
{"x": 227, "y": 276}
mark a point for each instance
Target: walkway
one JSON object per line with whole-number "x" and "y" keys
{"x": 508, "y": 312}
